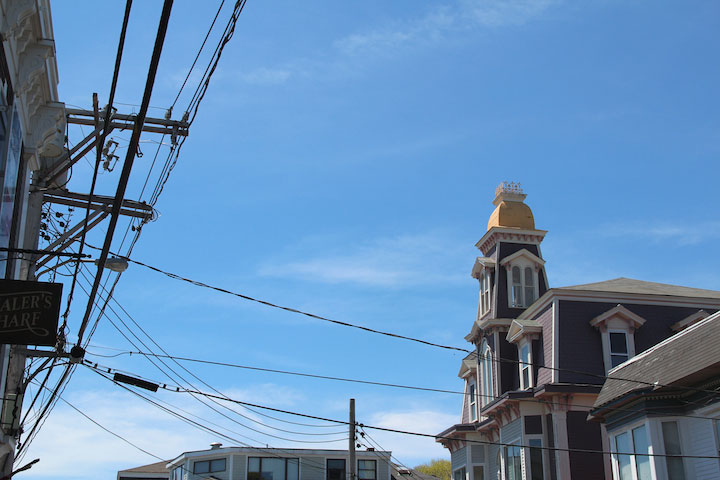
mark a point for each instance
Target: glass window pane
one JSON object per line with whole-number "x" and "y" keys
{"x": 253, "y": 468}
{"x": 517, "y": 462}
{"x": 616, "y": 360}
{"x": 536, "y": 460}
{"x": 366, "y": 469}
{"x": 516, "y": 276}
{"x": 478, "y": 472}
{"x": 273, "y": 469}
{"x": 618, "y": 343}
{"x": 293, "y": 468}
{"x": 201, "y": 467}
{"x": 217, "y": 465}
{"x": 459, "y": 474}
{"x": 622, "y": 444}
{"x": 671, "y": 440}
{"x": 642, "y": 462}
{"x": 529, "y": 277}
{"x": 529, "y": 295}
{"x": 517, "y": 296}
{"x": 335, "y": 469}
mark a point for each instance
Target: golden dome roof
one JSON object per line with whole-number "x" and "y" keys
{"x": 510, "y": 211}
{"x": 513, "y": 215}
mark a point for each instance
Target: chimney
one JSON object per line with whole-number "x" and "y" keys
{"x": 215, "y": 445}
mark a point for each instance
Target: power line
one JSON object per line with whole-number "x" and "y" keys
{"x": 361, "y": 327}
{"x": 209, "y": 386}
{"x": 98, "y": 149}
{"x": 368, "y": 382}
{"x": 198, "y": 54}
{"x": 202, "y": 427}
{"x": 286, "y": 372}
{"x": 428, "y": 435}
{"x": 288, "y": 309}
{"x": 127, "y": 166}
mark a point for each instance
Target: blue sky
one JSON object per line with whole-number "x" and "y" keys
{"x": 344, "y": 161}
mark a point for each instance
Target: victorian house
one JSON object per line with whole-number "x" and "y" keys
{"x": 542, "y": 355}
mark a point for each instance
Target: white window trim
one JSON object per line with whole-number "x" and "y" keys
{"x": 472, "y": 400}
{"x": 629, "y": 340}
{"x": 522, "y": 364}
{"x": 527, "y": 464}
{"x": 486, "y": 365}
{"x": 613, "y": 448}
{"x": 617, "y": 320}
{"x": 522, "y": 264}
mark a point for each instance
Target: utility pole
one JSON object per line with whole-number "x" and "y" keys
{"x": 351, "y": 441}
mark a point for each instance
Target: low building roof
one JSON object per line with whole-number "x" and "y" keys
{"x": 630, "y": 285}
{"x": 686, "y": 358}
{"x": 158, "y": 467}
{"x": 403, "y": 473}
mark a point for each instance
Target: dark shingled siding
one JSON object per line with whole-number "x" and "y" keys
{"x": 580, "y": 344}
{"x": 509, "y": 375}
{"x": 585, "y": 435}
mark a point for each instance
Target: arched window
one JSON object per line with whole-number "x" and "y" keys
{"x": 486, "y": 371}
{"x": 522, "y": 282}
{"x": 529, "y": 286}
{"x": 517, "y": 288}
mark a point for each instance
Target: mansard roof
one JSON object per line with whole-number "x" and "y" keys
{"x": 685, "y": 358}
{"x": 630, "y": 285}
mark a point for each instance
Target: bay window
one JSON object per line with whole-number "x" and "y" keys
{"x": 630, "y": 464}
{"x": 671, "y": 442}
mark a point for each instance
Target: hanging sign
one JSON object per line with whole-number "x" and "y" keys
{"x": 29, "y": 312}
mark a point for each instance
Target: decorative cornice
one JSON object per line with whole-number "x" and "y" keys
{"x": 512, "y": 235}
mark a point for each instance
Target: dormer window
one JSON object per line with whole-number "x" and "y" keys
{"x": 617, "y": 330}
{"x": 523, "y": 269}
{"x": 619, "y": 351}
{"x": 523, "y": 287}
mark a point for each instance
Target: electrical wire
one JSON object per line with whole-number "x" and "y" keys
{"x": 198, "y": 53}
{"x": 389, "y": 334}
{"x": 434, "y": 436}
{"x": 204, "y": 427}
{"x": 98, "y": 150}
{"x": 541, "y": 401}
{"x": 287, "y": 309}
{"x": 209, "y": 406}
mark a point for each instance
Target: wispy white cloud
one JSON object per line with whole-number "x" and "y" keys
{"x": 404, "y": 260}
{"x": 409, "y": 449}
{"x": 680, "y": 233}
{"x": 438, "y": 25}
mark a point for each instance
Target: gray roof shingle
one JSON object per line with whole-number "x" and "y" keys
{"x": 686, "y": 358}
{"x": 630, "y": 285}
